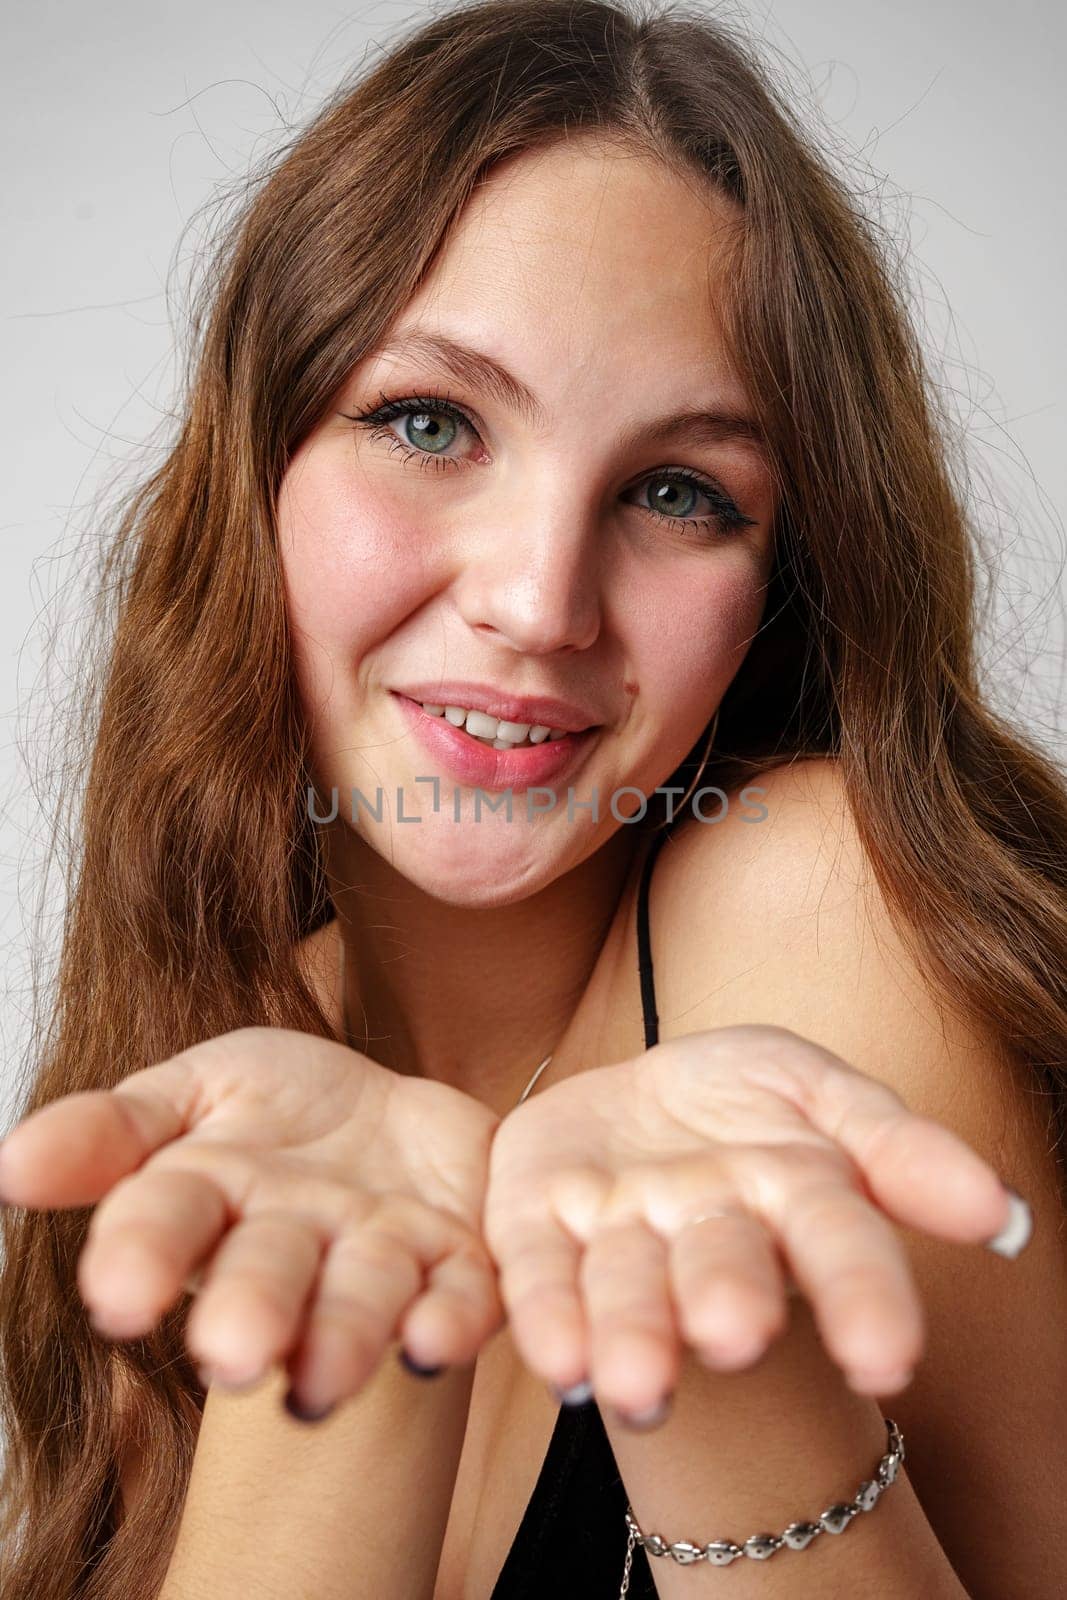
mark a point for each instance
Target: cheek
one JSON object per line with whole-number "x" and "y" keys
{"x": 351, "y": 571}
{"x": 694, "y": 640}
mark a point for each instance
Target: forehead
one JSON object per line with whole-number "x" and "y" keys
{"x": 592, "y": 256}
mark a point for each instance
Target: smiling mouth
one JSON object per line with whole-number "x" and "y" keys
{"x": 493, "y": 732}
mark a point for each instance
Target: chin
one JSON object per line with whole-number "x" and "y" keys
{"x": 472, "y": 865}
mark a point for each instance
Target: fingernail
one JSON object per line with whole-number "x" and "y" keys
{"x": 646, "y": 1419}
{"x": 305, "y": 1413}
{"x": 414, "y": 1367}
{"x": 869, "y": 1382}
{"x": 115, "y": 1327}
{"x": 577, "y": 1395}
{"x": 223, "y": 1380}
{"x": 1016, "y": 1231}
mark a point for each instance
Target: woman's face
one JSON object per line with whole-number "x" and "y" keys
{"x": 555, "y": 540}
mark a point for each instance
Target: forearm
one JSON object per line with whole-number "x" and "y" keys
{"x": 752, "y": 1451}
{"x": 358, "y": 1503}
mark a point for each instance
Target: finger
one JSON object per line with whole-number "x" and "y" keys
{"x": 368, "y": 1277}
{"x": 373, "y": 1279}
{"x": 634, "y": 1354}
{"x": 250, "y": 1310}
{"x": 537, "y": 1273}
{"x": 147, "y": 1235}
{"x": 157, "y": 1230}
{"x": 458, "y": 1311}
{"x": 848, "y": 1261}
{"x": 918, "y": 1171}
{"x": 729, "y": 1288}
{"x": 70, "y": 1152}
{"x": 925, "y": 1176}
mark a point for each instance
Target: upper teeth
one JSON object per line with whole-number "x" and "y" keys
{"x": 502, "y": 735}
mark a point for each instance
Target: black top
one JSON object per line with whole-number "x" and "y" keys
{"x": 573, "y": 1535}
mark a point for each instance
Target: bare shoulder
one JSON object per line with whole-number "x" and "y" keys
{"x": 781, "y": 921}
{"x": 764, "y": 834}
{"x": 775, "y": 914}
{"x": 751, "y": 909}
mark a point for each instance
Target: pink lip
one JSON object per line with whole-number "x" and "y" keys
{"x": 538, "y": 710}
{"x": 479, "y": 765}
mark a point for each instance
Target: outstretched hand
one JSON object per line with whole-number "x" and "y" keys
{"x": 320, "y": 1204}
{"x": 323, "y": 1205}
{"x": 798, "y": 1165}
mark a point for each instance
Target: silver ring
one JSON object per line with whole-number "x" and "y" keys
{"x": 706, "y": 1216}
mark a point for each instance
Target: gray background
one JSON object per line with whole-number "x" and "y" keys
{"x": 121, "y": 119}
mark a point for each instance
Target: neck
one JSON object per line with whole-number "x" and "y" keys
{"x": 471, "y": 995}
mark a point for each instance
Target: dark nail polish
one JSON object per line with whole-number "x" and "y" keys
{"x": 413, "y": 1366}
{"x": 304, "y": 1413}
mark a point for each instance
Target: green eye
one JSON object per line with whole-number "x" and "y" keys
{"x": 426, "y": 440}
{"x": 424, "y": 423}
{"x": 675, "y": 489}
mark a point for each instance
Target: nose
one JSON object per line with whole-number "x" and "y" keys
{"x": 534, "y": 580}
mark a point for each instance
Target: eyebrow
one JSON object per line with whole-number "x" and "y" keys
{"x": 716, "y": 425}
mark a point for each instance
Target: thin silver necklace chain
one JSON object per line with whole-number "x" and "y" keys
{"x": 348, "y": 1035}
{"x": 533, "y": 1080}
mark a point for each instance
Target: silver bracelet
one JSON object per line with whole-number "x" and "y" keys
{"x": 720, "y": 1552}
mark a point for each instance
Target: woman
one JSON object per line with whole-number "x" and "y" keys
{"x": 351, "y": 1064}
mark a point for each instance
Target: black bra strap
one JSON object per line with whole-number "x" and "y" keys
{"x": 644, "y": 946}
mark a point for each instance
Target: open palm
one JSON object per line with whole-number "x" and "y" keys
{"x": 677, "y": 1197}
{"x": 320, "y": 1204}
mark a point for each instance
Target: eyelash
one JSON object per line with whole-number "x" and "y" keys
{"x": 727, "y": 518}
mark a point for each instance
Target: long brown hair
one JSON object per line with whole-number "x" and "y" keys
{"x": 199, "y": 869}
